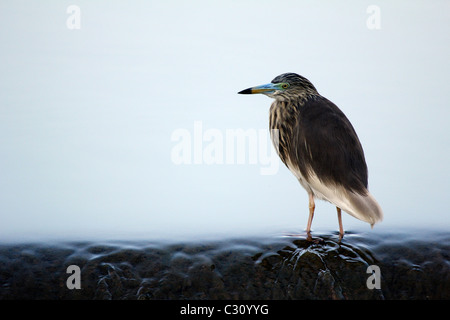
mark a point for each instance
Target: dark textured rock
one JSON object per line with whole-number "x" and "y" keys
{"x": 274, "y": 268}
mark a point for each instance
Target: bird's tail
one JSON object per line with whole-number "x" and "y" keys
{"x": 362, "y": 207}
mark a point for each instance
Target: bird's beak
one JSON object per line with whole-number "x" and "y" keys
{"x": 265, "y": 88}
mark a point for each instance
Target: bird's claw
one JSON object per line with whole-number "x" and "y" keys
{"x": 313, "y": 240}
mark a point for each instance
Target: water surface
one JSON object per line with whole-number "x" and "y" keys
{"x": 413, "y": 265}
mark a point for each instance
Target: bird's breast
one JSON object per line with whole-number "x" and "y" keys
{"x": 282, "y": 118}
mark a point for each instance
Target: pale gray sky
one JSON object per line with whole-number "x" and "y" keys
{"x": 87, "y": 115}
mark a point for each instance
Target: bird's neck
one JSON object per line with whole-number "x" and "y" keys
{"x": 283, "y": 112}
{"x": 286, "y": 111}
{"x": 299, "y": 98}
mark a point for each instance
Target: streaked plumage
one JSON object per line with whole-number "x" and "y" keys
{"x": 318, "y": 144}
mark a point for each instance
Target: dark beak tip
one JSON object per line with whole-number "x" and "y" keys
{"x": 246, "y": 91}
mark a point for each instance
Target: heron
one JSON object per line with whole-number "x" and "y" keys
{"x": 318, "y": 144}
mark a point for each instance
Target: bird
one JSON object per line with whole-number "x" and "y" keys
{"x": 318, "y": 144}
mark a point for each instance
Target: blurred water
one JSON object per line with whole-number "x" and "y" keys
{"x": 413, "y": 265}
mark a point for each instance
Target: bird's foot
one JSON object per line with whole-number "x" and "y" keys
{"x": 312, "y": 239}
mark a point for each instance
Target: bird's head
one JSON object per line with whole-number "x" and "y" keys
{"x": 286, "y": 86}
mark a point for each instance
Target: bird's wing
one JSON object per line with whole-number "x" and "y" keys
{"x": 327, "y": 145}
{"x": 329, "y": 155}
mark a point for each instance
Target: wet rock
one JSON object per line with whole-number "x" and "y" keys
{"x": 276, "y": 268}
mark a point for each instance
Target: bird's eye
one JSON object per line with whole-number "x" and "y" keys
{"x": 285, "y": 85}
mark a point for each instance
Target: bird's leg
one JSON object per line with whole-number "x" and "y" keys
{"x": 312, "y": 206}
{"x": 341, "y": 228}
